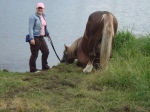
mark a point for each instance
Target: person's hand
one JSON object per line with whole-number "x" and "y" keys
{"x": 47, "y": 35}
{"x": 32, "y": 42}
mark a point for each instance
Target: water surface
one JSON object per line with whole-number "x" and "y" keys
{"x": 66, "y": 21}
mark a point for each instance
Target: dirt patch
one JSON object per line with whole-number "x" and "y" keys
{"x": 56, "y": 82}
{"x": 26, "y": 79}
{"x": 122, "y": 109}
{"x": 54, "y": 77}
{"x": 11, "y": 94}
{"x": 95, "y": 88}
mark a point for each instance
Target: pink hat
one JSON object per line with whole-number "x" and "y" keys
{"x": 40, "y": 4}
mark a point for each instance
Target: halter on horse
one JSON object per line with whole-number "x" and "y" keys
{"x": 96, "y": 44}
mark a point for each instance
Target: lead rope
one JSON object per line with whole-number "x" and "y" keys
{"x": 49, "y": 38}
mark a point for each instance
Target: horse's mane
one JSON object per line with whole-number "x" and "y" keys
{"x": 73, "y": 47}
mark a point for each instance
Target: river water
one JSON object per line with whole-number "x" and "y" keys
{"x": 66, "y": 21}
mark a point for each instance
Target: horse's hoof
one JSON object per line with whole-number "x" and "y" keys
{"x": 85, "y": 71}
{"x": 88, "y": 69}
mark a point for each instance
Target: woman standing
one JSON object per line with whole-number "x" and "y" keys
{"x": 37, "y": 31}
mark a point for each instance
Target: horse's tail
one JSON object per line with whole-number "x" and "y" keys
{"x": 106, "y": 43}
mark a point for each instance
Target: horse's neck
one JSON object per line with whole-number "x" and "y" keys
{"x": 84, "y": 45}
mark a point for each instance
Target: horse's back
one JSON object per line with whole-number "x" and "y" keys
{"x": 96, "y": 18}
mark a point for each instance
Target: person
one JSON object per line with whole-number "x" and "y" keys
{"x": 37, "y": 31}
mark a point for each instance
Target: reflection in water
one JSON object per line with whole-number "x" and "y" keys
{"x": 66, "y": 22}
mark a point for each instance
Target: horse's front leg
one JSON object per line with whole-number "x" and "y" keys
{"x": 92, "y": 44}
{"x": 88, "y": 67}
{"x": 92, "y": 54}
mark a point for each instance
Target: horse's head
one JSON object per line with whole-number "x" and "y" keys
{"x": 68, "y": 55}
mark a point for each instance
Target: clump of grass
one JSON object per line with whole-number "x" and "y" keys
{"x": 123, "y": 39}
{"x": 143, "y": 43}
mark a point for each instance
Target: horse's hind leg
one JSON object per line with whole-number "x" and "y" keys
{"x": 88, "y": 67}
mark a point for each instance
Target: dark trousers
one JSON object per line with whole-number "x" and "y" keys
{"x": 41, "y": 45}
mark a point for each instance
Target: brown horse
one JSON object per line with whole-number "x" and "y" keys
{"x": 96, "y": 44}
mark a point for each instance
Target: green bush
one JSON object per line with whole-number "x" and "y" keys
{"x": 123, "y": 39}
{"x": 143, "y": 43}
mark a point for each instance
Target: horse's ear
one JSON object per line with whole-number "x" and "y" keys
{"x": 66, "y": 48}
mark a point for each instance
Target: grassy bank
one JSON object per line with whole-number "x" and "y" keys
{"x": 124, "y": 87}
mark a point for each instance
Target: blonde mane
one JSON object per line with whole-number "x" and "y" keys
{"x": 72, "y": 49}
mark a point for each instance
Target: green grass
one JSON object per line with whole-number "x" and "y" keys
{"x": 123, "y": 87}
